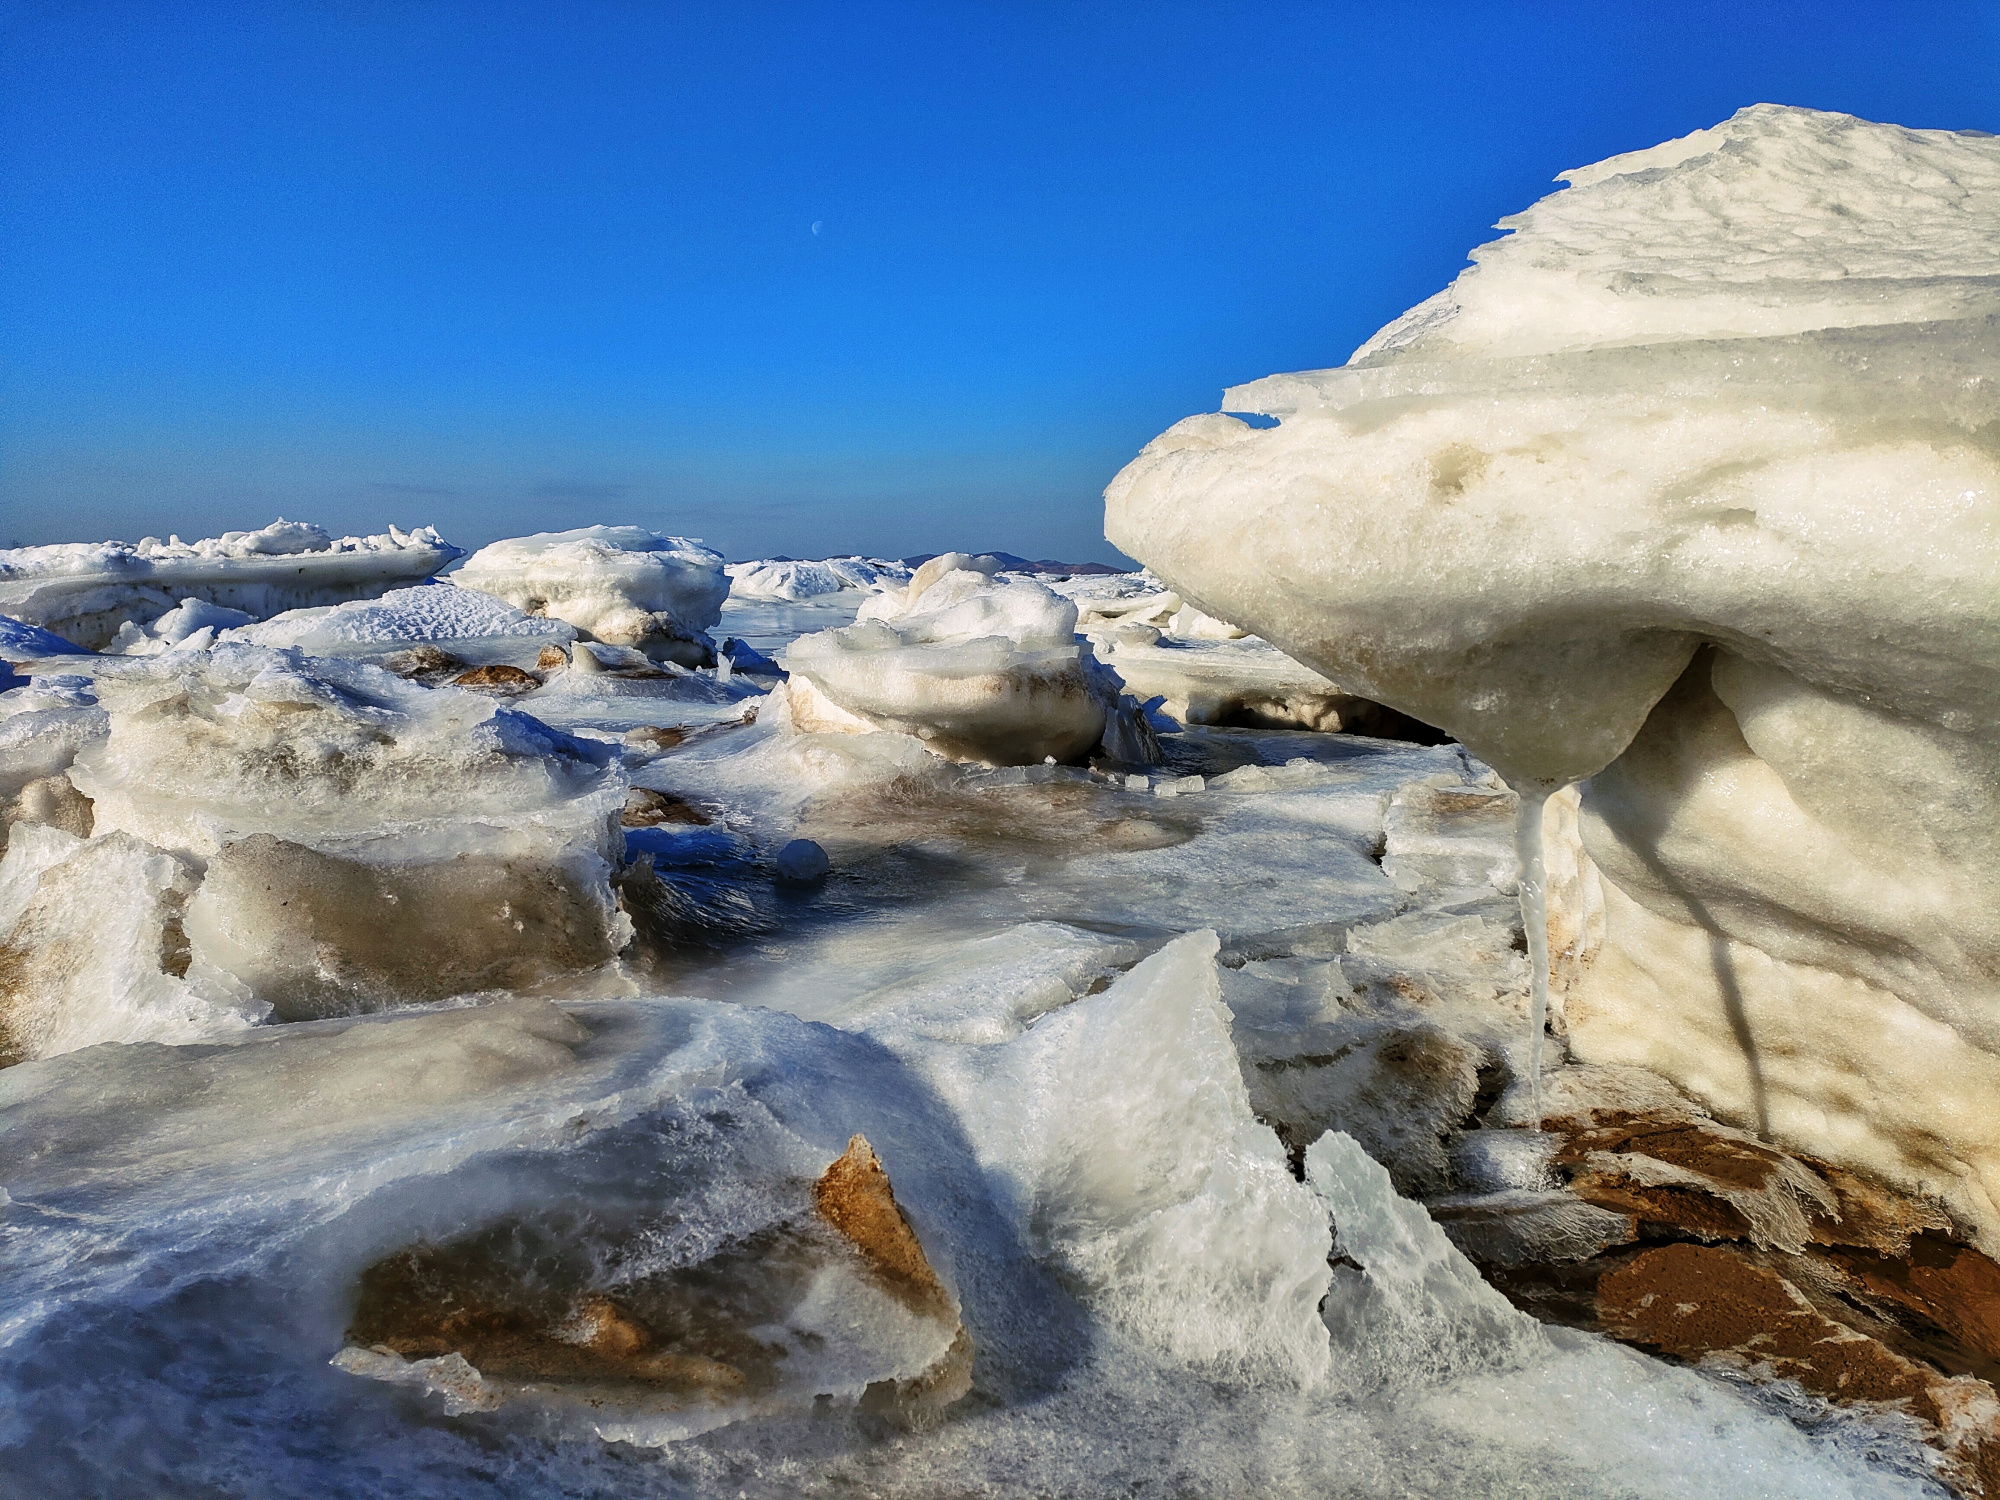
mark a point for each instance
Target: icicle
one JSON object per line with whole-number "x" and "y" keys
{"x": 1534, "y": 797}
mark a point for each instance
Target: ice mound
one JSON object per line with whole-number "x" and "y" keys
{"x": 1691, "y": 478}
{"x": 792, "y": 580}
{"x": 85, "y": 591}
{"x": 469, "y": 622}
{"x": 346, "y": 841}
{"x": 977, "y": 667}
{"x": 21, "y": 642}
{"x": 618, "y": 584}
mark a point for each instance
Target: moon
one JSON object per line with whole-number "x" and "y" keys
{"x": 816, "y": 225}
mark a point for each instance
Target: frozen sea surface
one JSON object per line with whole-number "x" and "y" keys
{"x": 1042, "y": 994}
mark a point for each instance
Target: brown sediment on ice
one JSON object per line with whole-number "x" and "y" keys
{"x": 1729, "y": 1249}
{"x": 855, "y": 1197}
{"x": 498, "y": 678}
{"x": 647, "y": 808}
{"x": 1698, "y": 1302}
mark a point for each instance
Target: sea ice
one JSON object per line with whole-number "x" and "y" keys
{"x": 1684, "y": 489}
{"x": 472, "y": 627}
{"x": 317, "y": 837}
{"x": 619, "y": 584}
{"x": 793, "y": 581}
{"x": 85, "y": 591}
{"x": 977, "y": 667}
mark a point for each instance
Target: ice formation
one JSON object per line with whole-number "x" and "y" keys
{"x": 304, "y": 837}
{"x": 469, "y": 624}
{"x": 545, "y": 1067}
{"x": 792, "y": 580}
{"x": 975, "y": 666}
{"x": 1687, "y": 487}
{"x": 619, "y": 584}
{"x": 85, "y": 591}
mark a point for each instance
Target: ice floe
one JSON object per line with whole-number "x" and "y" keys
{"x": 619, "y": 584}
{"x": 86, "y": 591}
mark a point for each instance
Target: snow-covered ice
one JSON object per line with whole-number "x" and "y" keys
{"x": 85, "y": 591}
{"x": 1682, "y": 489}
{"x": 793, "y": 580}
{"x": 976, "y": 666}
{"x": 619, "y": 584}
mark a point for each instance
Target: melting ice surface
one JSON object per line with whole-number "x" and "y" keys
{"x": 1035, "y": 991}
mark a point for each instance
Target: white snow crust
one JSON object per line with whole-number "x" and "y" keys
{"x": 435, "y": 612}
{"x": 1687, "y": 487}
{"x": 84, "y": 591}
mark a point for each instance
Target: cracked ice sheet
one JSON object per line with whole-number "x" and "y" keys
{"x": 180, "y": 1242}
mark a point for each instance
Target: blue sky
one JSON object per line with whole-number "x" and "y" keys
{"x": 511, "y": 267}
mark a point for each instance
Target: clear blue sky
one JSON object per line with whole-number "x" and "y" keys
{"x": 510, "y": 267}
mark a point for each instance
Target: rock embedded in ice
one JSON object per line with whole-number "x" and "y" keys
{"x": 1690, "y": 478}
{"x": 619, "y": 584}
{"x": 801, "y": 862}
{"x": 977, "y": 667}
{"x": 93, "y": 948}
{"x": 85, "y": 591}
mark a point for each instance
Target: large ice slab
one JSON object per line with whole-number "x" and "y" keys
{"x": 620, "y": 584}
{"x": 84, "y": 591}
{"x": 1690, "y": 477}
{"x": 461, "y": 620}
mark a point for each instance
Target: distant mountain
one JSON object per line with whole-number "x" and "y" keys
{"x": 1012, "y": 564}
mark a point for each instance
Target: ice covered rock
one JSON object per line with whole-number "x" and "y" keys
{"x": 353, "y": 840}
{"x": 1691, "y": 478}
{"x": 789, "y": 579}
{"x": 977, "y": 667}
{"x": 620, "y": 584}
{"x": 85, "y": 591}
{"x": 802, "y": 862}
